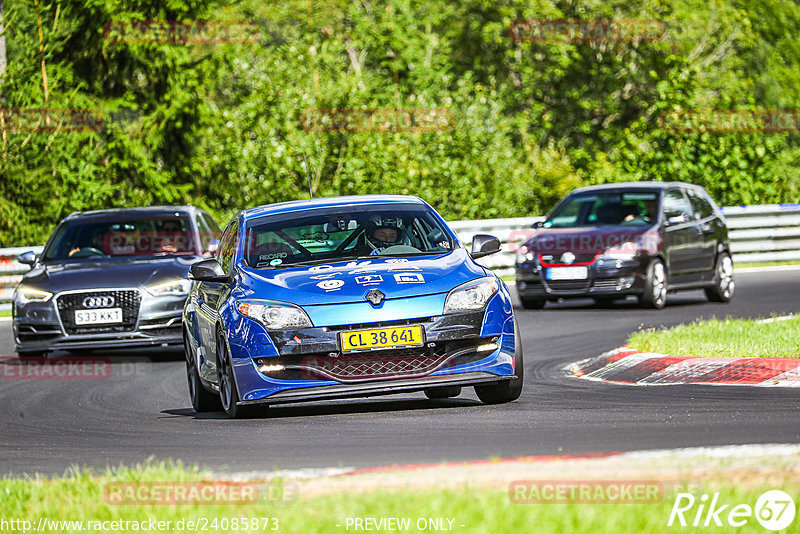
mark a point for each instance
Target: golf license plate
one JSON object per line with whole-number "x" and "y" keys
{"x": 381, "y": 338}
{"x": 102, "y": 316}
{"x": 567, "y": 273}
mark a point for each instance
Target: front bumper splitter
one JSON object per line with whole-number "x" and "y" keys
{"x": 369, "y": 389}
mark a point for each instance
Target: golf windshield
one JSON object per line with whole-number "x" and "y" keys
{"x": 343, "y": 233}
{"x": 605, "y": 209}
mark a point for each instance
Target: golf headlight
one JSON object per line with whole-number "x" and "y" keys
{"x": 23, "y": 295}
{"x": 274, "y": 315}
{"x": 625, "y": 251}
{"x": 523, "y": 254}
{"x": 173, "y": 288}
{"x": 471, "y": 296}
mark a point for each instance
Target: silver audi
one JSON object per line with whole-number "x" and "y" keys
{"x": 111, "y": 279}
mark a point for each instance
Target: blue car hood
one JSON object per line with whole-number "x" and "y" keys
{"x": 344, "y": 281}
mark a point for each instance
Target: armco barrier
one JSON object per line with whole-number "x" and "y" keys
{"x": 758, "y": 233}
{"x": 764, "y": 233}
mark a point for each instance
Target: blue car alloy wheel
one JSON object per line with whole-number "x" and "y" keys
{"x": 346, "y": 297}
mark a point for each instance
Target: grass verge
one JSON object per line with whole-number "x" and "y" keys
{"x": 715, "y": 338}
{"x": 741, "y": 265}
{"x": 5, "y": 313}
{"x": 83, "y": 498}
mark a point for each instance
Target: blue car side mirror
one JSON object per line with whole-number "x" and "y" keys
{"x": 207, "y": 271}
{"x": 483, "y": 245}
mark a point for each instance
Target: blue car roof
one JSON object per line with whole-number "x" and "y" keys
{"x": 328, "y": 202}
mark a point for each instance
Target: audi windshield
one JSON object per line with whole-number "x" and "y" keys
{"x": 125, "y": 236}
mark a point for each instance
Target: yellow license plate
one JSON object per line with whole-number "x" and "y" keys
{"x": 380, "y": 338}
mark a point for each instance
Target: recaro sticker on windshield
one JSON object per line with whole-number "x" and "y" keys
{"x": 409, "y": 278}
{"x": 265, "y": 257}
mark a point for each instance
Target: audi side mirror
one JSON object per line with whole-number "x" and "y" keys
{"x": 483, "y": 245}
{"x": 207, "y": 271}
{"x": 27, "y": 258}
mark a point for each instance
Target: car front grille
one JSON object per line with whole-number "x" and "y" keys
{"x": 129, "y": 300}
{"x": 568, "y": 285}
{"x": 605, "y": 283}
{"x": 365, "y": 365}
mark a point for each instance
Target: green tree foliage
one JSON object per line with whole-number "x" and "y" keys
{"x": 225, "y": 125}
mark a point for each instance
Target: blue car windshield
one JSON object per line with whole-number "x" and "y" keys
{"x": 635, "y": 208}
{"x": 344, "y": 232}
{"x": 143, "y": 235}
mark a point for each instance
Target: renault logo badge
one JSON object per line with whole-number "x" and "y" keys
{"x": 375, "y": 296}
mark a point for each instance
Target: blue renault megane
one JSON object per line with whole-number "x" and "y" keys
{"x": 346, "y": 297}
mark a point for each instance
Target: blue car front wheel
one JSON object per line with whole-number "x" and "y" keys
{"x": 508, "y": 390}
{"x": 228, "y": 393}
{"x": 202, "y": 400}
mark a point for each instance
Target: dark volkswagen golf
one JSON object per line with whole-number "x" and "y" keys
{"x": 636, "y": 238}
{"x": 111, "y": 279}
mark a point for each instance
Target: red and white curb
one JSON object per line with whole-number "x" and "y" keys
{"x": 750, "y": 451}
{"x": 629, "y": 366}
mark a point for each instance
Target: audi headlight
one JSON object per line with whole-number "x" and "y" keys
{"x": 173, "y": 288}
{"x": 23, "y": 295}
{"x": 471, "y": 296}
{"x": 274, "y": 315}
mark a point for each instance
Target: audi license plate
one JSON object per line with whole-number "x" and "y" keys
{"x": 567, "y": 273}
{"x": 101, "y": 316}
{"x": 381, "y": 338}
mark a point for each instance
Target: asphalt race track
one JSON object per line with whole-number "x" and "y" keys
{"x": 142, "y": 409}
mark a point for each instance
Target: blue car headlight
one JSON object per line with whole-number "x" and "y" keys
{"x": 274, "y": 315}
{"x": 472, "y": 296}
